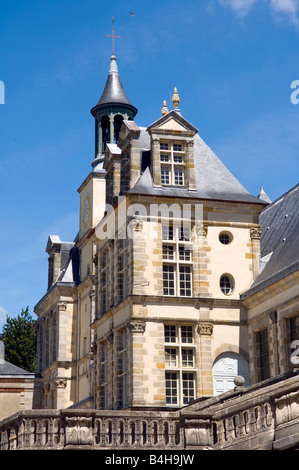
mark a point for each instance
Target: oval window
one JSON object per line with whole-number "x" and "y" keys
{"x": 226, "y": 284}
{"x": 225, "y": 238}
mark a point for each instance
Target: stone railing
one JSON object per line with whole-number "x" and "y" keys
{"x": 263, "y": 416}
{"x": 84, "y": 429}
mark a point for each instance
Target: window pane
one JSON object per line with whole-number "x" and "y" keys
{"x": 170, "y": 333}
{"x": 177, "y": 147}
{"x": 167, "y": 232}
{"x": 185, "y": 253}
{"x": 187, "y": 358}
{"x": 187, "y": 334}
{"x": 164, "y": 158}
{"x": 168, "y": 279}
{"x": 178, "y": 176}
{"x": 170, "y": 357}
{"x": 178, "y": 158}
{"x": 168, "y": 251}
{"x": 263, "y": 353}
{"x": 163, "y": 145}
{"x": 188, "y": 387}
{"x": 294, "y": 328}
{"x": 185, "y": 281}
{"x": 226, "y": 285}
{"x": 171, "y": 382}
{"x": 165, "y": 175}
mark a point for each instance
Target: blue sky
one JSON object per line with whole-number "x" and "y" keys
{"x": 232, "y": 61}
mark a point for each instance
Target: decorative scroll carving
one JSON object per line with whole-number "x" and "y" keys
{"x": 202, "y": 230}
{"x": 136, "y": 326}
{"x": 62, "y": 306}
{"x": 255, "y": 233}
{"x": 205, "y": 328}
{"x": 60, "y": 383}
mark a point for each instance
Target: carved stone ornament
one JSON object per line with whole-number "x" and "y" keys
{"x": 136, "y": 225}
{"x": 255, "y": 233}
{"x": 202, "y": 230}
{"x": 197, "y": 433}
{"x": 78, "y": 431}
{"x": 205, "y": 328}
{"x": 62, "y": 306}
{"x": 136, "y": 326}
{"x": 60, "y": 383}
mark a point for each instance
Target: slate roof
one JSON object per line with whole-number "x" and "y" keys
{"x": 213, "y": 179}
{"x": 8, "y": 369}
{"x": 114, "y": 93}
{"x": 279, "y": 241}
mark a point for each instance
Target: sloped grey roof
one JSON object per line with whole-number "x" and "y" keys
{"x": 213, "y": 179}
{"x": 114, "y": 92}
{"x": 8, "y": 369}
{"x": 70, "y": 268}
{"x": 279, "y": 240}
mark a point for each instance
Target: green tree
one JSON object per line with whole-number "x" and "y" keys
{"x": 19, "y": 336}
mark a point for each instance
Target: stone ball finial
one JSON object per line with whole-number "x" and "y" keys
{"x": 239, "y": 381}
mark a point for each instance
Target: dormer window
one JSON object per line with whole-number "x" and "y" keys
{"x": 172, "y": 163}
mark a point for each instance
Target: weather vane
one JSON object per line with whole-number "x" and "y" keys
{"x": 113, "y": 36}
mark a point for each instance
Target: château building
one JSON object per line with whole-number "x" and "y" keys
{"x": 143, "y": 308}
{"x": 171, "y": 320}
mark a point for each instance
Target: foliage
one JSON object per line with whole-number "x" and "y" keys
{"x": 19, "y": 336}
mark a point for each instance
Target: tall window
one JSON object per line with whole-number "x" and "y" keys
{"x": 179, "y": 364}
{"x": 263, "y": 353}
{"x": 103, "y": 372}
{"x": 104, "y": 281}
{"x": 177, "y": 261}
{"x": 294, "y": 328}
{"x": 172, "y": 163}
{"x": 121, "y": 369}
{"x": 122, "y": 271}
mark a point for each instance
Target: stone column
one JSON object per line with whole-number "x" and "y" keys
{"x": 62, "y": 323}
{"x": 205, "y": 330}
{"x": 156, "y": 165}
{"x": 136, "y": 369}
{"x": 255, "y": 236}
{"x": 189, "y": 165}
{"x": 134, "y": 162}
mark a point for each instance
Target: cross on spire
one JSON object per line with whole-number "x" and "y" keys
{"x": 113, "y": 36}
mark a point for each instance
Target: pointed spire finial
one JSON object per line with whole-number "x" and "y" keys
{"x": 164, "y": 110}
{"x": 175, "y": 98}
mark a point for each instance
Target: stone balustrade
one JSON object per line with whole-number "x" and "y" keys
{"x": 84, "y": 429}
{"x": 263, "y": 416}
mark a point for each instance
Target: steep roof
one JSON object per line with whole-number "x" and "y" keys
{"x": 113, "y": 93}
{"x": 279, "y": 240}
{"x": 213, "y": 179}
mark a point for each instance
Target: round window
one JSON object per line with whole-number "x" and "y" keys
{"x": 226, "y": 284}
{"x": 225, "y": 238}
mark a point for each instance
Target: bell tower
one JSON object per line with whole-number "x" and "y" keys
{"x": 112, "y": 108}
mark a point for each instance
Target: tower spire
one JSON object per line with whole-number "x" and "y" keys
{"x": 113, "y": 36}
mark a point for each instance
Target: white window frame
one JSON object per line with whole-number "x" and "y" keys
{"x": 177, "y": 260}
{"x": 180, "y": 364}
{"x": 172, "y": 159}
{"x": 122, "y": 368}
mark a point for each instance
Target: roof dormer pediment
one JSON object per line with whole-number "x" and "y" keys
{"x": 172, "y": 123}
